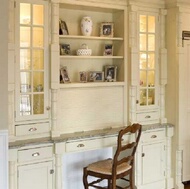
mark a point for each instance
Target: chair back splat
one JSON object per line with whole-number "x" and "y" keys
{"x": 120, "y": 166}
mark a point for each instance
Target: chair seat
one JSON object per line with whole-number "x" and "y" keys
{"x": 105, "y": 167}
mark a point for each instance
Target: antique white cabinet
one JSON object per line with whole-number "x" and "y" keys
{"x": 31, "y": 167}
{"x": 31, "y": 82}
{"x": 148, "y": 63}
{"x": 153, "y": 159}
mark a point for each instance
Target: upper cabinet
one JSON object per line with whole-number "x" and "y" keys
{"x": 147, "y": 65}
{"x": 31, "y": 60}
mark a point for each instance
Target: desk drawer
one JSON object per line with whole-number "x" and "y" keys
{"x": 35, "y": 154}
{"x": 153, "y": 136}
{"x": 91, "y": 144}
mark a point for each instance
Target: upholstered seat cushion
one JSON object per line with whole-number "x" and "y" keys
{"x": 105, "y": 167}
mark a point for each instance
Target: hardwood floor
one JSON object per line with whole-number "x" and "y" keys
{"x": 187, "y": 185}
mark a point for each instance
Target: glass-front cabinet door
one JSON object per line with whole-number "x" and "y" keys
{"x": 31, "y": 59}
{"x": 147, "y": 61}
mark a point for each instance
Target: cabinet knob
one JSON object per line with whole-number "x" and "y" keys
{"x": 32, "y": 129}
{"x": 48, "y": 108}
{"x": 137, "y": 101}
{"x": 153, "y": 136}
{"x": 143, "y": 154}
{"x": 80, "y": 145}
{"x": 147, "y": 117}
{"x": 36, "y": 154}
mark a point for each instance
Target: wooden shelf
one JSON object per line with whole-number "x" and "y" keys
{"x": 91, "y": 84}
{"x": 90, "y": 37}
{"x": 90, "y": 57}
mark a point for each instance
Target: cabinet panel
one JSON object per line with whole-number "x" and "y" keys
{"x": 153, "y": 164}
{"x": 35, "y": 176}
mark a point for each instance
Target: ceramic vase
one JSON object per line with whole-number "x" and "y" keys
{"x": 86, "y": 26}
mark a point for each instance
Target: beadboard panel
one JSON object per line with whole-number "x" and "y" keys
{"x": 85, "y": 109}
{"x": 3, "y": 159}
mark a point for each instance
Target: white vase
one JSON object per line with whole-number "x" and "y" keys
{"x": 86, "y": 26}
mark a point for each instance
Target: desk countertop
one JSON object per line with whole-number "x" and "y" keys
{"x": 68, "y": 137}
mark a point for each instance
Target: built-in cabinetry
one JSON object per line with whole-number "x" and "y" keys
{"x": 154, "y": 147}
{"x": 94, "y": 97}
{"x": 81, "y": 108}
{"x": 31, "y": 101}
{"x": 32, "y": 166}
{"x": 148, "y": 64}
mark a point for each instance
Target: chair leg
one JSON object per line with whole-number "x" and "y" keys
{"x": 85, "y": 181}
{"x": 131, "y": 179}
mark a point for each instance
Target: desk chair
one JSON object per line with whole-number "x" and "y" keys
{"x": 118, "y": 167}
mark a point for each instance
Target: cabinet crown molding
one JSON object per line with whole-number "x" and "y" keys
{"x": 148, "y": 3}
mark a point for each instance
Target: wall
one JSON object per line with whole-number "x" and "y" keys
{"x": 4, "y": 64}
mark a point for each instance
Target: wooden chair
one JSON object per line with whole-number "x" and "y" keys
{"x": 118, "y": 167}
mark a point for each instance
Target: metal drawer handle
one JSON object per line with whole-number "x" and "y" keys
{"x": 147, "y": 117}
{"x": 32, "y": 129}
{"x": 36, "y": 154}
{"x": 80, "y": 145}
{"x": 153, "y": 136}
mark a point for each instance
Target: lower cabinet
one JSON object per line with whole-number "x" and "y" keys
{"x": 152, "y": 160}
{"x": 31, "y": 167}
{"x": 38, "y": 176}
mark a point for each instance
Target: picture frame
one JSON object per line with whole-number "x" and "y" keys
{"x": 96, "y": 76}
{"x": 63, "y": 30}
{"x": 107, "y": 29}
{"x": 83, "y": 76}
{"x": 110, "y": 73}
{"x": 108, "y": 50}
{"x": 65, "y": 49}
{"x": 64, "y": 76}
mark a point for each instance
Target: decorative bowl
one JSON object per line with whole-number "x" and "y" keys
{"x": 84, "y": 51}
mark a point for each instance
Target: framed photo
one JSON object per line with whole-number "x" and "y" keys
{"x": 83, "y": 77}
{"x": 96, "y": 76}
{"x": 63, "y": 30}
{"x": 106, "y": 29}
{"x": 65, "y": 49}
{"x": 108, "y": 50}
{"x": 64, "y": 76}
{"x": 110, "y": 73}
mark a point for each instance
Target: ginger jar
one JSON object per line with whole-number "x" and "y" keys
{"x": 86, "y": 26}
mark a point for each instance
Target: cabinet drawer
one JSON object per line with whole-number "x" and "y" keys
{"x": 32, "y": 129}
{"x": 35, "y": 154}
{"x": 147, "y": 116}
{"x": 153, "y": 136}
{"x": 95, "y": 143}
{"x": 91, "y": 144}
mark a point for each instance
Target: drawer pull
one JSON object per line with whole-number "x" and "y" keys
{"x": 153, "y": 136}
{"x": 147, "y": 117}
{"x": 32, "y": 129}
{"x": 36, "y": 154}
{"x": 143, "y": 154}
{"x": 80, "y": 145}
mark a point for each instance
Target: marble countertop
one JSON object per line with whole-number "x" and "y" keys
{"x": 68, "y": 137}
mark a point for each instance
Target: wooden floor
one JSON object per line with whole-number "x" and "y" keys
{"x": 187, "y": 185}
